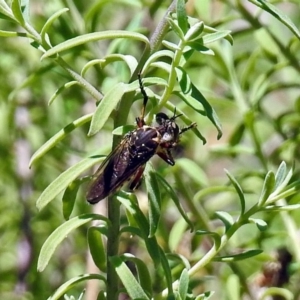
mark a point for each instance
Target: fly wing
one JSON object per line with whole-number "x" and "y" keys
{"x": 106, "y": 179}
{"x": 122, "y": 163}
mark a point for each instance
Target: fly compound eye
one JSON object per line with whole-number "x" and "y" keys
{"x": 161, "y": 118}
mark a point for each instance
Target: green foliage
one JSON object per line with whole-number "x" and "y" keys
{"x": 230, "y": 67}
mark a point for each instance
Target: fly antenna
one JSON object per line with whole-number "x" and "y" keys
{"x": 174, "y": 115}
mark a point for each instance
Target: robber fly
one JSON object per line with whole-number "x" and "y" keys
{"x": 127, "y": 161}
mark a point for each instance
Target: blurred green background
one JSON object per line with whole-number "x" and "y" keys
{"x": 253, "y": 86}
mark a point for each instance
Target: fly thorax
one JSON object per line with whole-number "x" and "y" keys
{"x": 171, "y": 132}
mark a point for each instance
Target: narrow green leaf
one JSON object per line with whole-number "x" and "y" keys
{"x": 156, "y": 56}
{"x": 280, "y": 174}
{"x": 211, "y": 114}
{"x": 5, "y": 12}
{"x": 95, "y": 36}
{"x": 153, "y": 249}
{"x": 6, "y": 15}
{"x": 199, "y": 47}
{"x": 183, "y": 284}
{"x": 213, "y": 37}
{"x": 17, "y": 11}
{"x": 174, "y": 196}
{"x": 154, "y": 199}
{"x": 81, "y": 295}
{"x": 102, "y": 295}
{"x": 122, "y": 130}
{"x": 96, "y": 245}
{"x": 239, "y": 191}
{"x": 64, "y": 179}
{"x": 91, "y": 63}
{"x": 179, "y": 259}
{"x": 112, "y": 98}
{"x": 60, "y": 234}
{"x": 282, "y": 190}
{"x": 216, "y": 237}
{"x": 69, "y": 197}
{"x": 170, "y": 45}
{"x": 167, "y": 272}
{"x": 130, "y": 61}
{"x": 181, "y": 16}
{"x": 205, "y": 296}
{"x": 132, "y": 230}
{"x": 279, "y": 15}
{"x": 226, "y": 218}
{"x": 153, "y": 81}
{"x": 142, "y": 272}
{"x": 61, "y": 89}
{"x": 291, "y": 207}
{"x": 261, "y": 224}
{"x": 277, "y": 293}
{"x": 25, "y": 9}
{"x": 132, "y": 206}
{"x": 58, "y": 137}
{"x": 176, "y": 234}
{"x": 190, "y": 101}
{"x": 50, "y": 21}
{"x": 259, "y": 88}
{"x": 161, "y": 65}
{"x": 4, "y": 33}
{"x": 108, "y": 104}
{"x": 175, "y": 27}
{"x": 62, "y": 290}
{"x": 4, "y": 6}
{"x": 183, "y": 79}
{"x": 194, "y": 33}
{"x": 209, "y": 191}
{"x": 267, "y": 189}
{"x": 240, "y": 256}
{"x": 133, "y": 288}
{"x": 237, "y": 134}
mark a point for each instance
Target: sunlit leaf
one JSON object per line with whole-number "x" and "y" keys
{"x": 95, "y": 36}
{"x": 133, "y": 288}
{"x": 62, "y": 290}
{"x": 60, "y": 234}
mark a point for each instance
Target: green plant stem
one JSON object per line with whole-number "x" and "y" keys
{"x": 120, "y": 119}
{"x": 172, "y": 76}
{"x": 112, "y": 247}
{"x": 161, "y": 29}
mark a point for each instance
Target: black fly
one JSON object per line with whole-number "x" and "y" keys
{"x": 127, "y": 161}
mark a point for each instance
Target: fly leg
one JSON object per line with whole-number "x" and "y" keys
{"x": 140, "y": 120}
{"x": 184, "y": 129}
